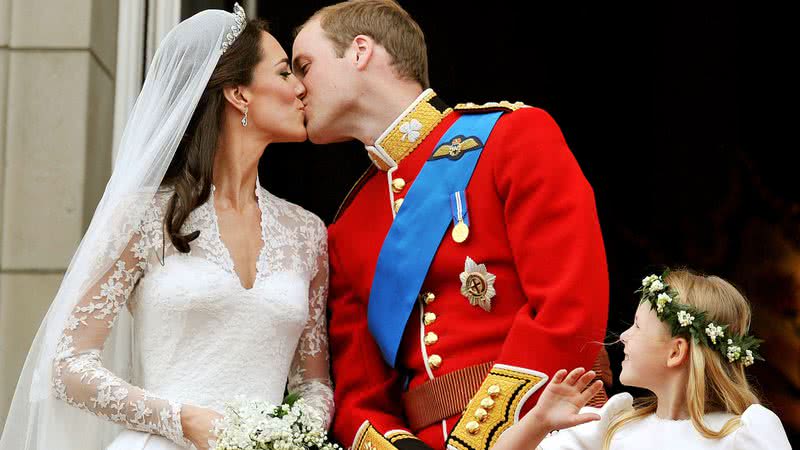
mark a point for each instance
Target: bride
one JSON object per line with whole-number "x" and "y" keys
{"x": 193, "y": 284}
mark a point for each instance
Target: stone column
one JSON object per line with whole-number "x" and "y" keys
{"x": 57, "y": 64}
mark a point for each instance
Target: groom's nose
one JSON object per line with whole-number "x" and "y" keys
{"x": 300, "y": 89}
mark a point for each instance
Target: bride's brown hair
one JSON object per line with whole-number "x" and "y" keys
{"x": 190, "y": 171}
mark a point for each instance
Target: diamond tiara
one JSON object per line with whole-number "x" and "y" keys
{"x": 236, "y": 29}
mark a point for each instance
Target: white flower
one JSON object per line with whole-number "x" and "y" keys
{"x": 748, "y": 359}
{"x": 714, "y": 332}
{"x": 254, "y": 425}
{"x": 649, "y": 279}
{"x": 662, "y": 300}
{"x": 411, "y": 130}
{"x": 685, "y": 319}
{"x": 656, "y": 286}
{"x": 734, "y": 352}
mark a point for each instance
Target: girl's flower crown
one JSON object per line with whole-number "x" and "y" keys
{"x": 685, "y": 320}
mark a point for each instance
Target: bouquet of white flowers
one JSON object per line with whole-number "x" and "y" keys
{"x": 257, "y": 425}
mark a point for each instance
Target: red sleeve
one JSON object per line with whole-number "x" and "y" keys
{"x": 555, "y": 239}
{"x": 366, "y": 388}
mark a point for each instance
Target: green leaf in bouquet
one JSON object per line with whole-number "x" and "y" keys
{"x": 291, "y": 398}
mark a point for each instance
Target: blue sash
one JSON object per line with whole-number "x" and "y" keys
{"x": 418, "y": 229}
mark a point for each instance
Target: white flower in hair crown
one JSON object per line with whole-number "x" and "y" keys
{"x": 688, "y": 321}
{"x": 236, "y": 29}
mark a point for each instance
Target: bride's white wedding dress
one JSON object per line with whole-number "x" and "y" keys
{"x": 199, "y": 336}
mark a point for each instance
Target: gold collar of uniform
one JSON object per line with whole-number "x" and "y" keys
{"x": 408, "y": 131}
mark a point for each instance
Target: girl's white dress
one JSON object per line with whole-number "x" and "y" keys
{"x": 760, "y": 429}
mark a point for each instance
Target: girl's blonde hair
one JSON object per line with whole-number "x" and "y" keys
{"x": 714, "y": 384}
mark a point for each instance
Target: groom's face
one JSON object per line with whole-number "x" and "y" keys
{"x": 330, "y": 83}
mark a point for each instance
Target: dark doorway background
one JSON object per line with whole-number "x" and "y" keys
{"x": 674, "y": 114}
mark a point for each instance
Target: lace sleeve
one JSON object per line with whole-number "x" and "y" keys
{"x": 79, "y": 377}
{"x": 310, "y": 371}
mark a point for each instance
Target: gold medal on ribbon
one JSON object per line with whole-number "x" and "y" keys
{"x": 460, "y": 232}
{"x": 458, "y": 204}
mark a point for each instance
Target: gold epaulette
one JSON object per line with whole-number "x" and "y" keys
{"x": 468, "y": 108}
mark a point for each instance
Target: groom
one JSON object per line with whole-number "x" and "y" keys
{"x": 467, "y": 264}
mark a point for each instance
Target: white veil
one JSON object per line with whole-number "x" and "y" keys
{"x": 177, "y": 77}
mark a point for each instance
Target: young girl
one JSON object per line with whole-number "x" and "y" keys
{"x": 689, "y": 346}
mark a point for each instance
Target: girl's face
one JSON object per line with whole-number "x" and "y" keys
{"x": 647, "y": 349}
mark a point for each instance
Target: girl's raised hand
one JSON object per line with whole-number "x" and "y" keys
{"x": 560, "y": 403}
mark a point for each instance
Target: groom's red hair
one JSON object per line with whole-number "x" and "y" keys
{"x": 388, "y": 24}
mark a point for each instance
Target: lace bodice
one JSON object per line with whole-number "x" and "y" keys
{"x": 200, "y": 337}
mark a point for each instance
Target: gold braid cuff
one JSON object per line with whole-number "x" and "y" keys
{"x": 369, "y": 438}
{"x": 495, "y": 407}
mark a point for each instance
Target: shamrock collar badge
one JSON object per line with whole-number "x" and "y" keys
{"x": 477, "y": 284}
{"x": 411, "y": 130}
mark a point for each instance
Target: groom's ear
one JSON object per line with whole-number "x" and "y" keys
{"x": 235, "y": 96}
{"x": 363, "y": 47}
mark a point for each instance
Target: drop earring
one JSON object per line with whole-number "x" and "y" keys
{"x": 244, "y": 118}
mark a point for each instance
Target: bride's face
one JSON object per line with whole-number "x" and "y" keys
{"x": 275, "y": 106}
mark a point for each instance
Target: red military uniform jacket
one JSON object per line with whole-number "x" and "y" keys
{"x": 533, "y": 228}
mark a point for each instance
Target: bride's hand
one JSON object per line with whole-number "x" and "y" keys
{"x": 562, "y": 399}
{"x": 198, "y": 425}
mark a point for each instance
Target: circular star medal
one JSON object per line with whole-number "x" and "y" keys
{"x": 460, "y": 232}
